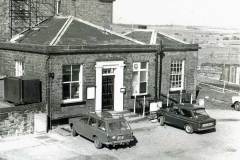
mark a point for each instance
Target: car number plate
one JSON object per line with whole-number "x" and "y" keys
{"x": 207, "y": 124}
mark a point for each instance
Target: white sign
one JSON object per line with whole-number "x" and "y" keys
{"x": 91, "y": 93}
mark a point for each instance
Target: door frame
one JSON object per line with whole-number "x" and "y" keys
{"x": 113, "y": 78}
{"x": 118, "y": 67}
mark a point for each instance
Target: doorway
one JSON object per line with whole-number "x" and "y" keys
{"x": 108, "y": 92}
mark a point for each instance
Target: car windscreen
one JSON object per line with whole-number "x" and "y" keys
{"x": 200, "y": 112}
{"x": 118, "y": 125}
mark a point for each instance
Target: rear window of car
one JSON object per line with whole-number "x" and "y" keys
{"x": 101, "y": 125}
{"x": 84, "y": 119}
{"x": 186, "y": 113}
{"x": 200, "y": 112}
{"x": 118, "y": 126}
{"x": 93, "y": 122}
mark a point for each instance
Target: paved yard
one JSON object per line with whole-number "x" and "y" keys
{"x": 154, "y": 142}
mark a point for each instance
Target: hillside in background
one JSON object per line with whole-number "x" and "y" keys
{"x": 218, "y": 45}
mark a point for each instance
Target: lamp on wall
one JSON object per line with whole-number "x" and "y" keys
{"x": 123, "y": 90}
{"x": 51, "y": 75}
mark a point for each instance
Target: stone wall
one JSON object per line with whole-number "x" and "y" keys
{"x": 18, "y": 120}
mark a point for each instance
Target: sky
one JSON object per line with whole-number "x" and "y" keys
{"x": 215, "y": 13}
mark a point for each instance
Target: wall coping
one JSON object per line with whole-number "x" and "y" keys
{"x": 80, "y": 49}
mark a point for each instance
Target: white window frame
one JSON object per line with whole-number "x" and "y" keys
{"x": 73, "y": 100}
{"x": 181, "y": 73}
{"x": 19, "y": 68}
{"x": 139, "y": 70}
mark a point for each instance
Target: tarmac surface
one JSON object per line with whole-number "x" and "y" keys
{"x": 154, "y": 142}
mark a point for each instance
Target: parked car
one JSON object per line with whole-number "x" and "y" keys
{"x": 236, "y": 103}
{"x": 186, "y": 116}
{"x": 102, "y": 129}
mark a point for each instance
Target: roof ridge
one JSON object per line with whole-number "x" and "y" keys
{"x": 171, "y": 37}
{"x": 153, "y": 39}
{"x": 61, "y": 32}
{"x": 108, "y": 30}
{"x": 19, "y": 35}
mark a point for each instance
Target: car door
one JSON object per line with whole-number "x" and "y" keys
{"x": 92, "y": 126}
{"x": 185, "y": 117}
{"x": 101, "y": 130}
{"x": 81, "y": 124}
{"x": 171, "y": 115}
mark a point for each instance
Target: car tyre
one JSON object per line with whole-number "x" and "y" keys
{"x": 236, "y": 106}
{"x": 188, "y": 128}
{"x": 161, "y": 120}
{"x": 74, "y": 132}
{"x": 97, "y": 143}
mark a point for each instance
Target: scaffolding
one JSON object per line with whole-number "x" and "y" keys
{"x": 26, "y": 14}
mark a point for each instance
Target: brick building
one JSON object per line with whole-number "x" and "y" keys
{"x": 14, "y": 14}
{"x": 91, "y": 68}
{"x": 177, "y": 66}
{"x": 82, "y": 66}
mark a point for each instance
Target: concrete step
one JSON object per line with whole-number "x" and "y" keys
{"x": 130, "y": 114}
{"x": 136, "y": 119}
{"x": 63, "y": 130}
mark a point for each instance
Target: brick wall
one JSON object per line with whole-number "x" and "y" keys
{"x": 18, "y": 120}
{"x": 190, "y": 77}
{"x": 34, "y": 66}
{"x": 94, "y": 11}
{"x": 4, "y": 20}
{"x": 89, "y": 74}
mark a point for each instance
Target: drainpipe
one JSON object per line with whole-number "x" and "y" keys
{"x": 161, "y": 54}
{"x": 156, "y": 76}
{"x": 48, "y": 95}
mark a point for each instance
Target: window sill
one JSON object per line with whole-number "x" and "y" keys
{"x": 176, "y": 89}
{"x": 72, "y": 103}
{"x": 140, "y": 95}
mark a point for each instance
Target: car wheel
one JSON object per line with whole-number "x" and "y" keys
{"x": 74, "y": 132}
{"x": 161, "y": 120}
{"x": 188, "y": 128}
{"x": 97, "y": 143}
{"x": 237, "y": 106}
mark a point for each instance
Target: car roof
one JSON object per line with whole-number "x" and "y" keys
{"x": 106, "y": 116}
{"x": 188, "y": 106}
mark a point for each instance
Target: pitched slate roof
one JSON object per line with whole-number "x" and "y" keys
{"x": 154, "y": 37}
{"x": 71, "y": 31}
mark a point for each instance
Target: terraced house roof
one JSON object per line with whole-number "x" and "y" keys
{"x": 60, "y": 30}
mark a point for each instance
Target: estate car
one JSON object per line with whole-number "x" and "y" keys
{"x": 102, "y": 129}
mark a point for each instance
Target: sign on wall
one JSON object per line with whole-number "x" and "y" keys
{"x": 90, "y": 92}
